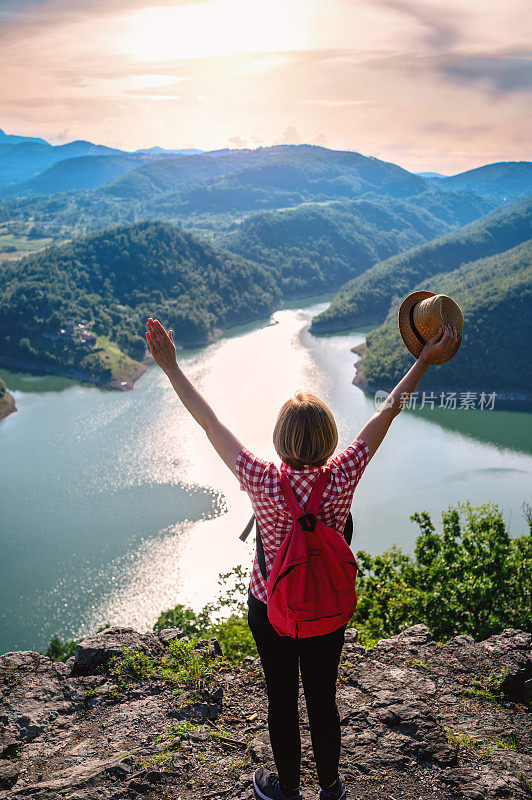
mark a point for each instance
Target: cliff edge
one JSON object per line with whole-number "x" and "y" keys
{"x": 155, "y": 716}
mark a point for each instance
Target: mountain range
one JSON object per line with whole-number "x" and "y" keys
{"x": 210, "y": 239}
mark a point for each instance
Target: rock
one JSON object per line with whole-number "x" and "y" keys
{"x": 160, "y": 776}
{"x": 9, "y": 773}
{"x": 250, "y": 661}
{"x": 27, "y": 728}
{"x": 508, "y": 641}
{"x": 216, "y": 695}
{"x": 350, "y": 636}
{"x": 9, "y": 745}
{"x": 96, "y": 652}
{"x": 404, "y": 718}
{"x": 513, "y": 647}
{"x": 460, "y": 641}
{"x": 259, "y": 749}
{"x": 168, "y": 634}
{"x": 209, "y": 647}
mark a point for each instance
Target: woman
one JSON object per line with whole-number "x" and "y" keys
{"x": 305, "y": 437}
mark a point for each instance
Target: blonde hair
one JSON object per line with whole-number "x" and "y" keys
{"x": 305, "y": 433}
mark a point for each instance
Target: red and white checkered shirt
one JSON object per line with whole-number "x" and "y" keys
{"x": 261, "y": 480}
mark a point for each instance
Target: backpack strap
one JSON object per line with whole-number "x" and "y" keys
{"x": 260, "y": 549}
{"x": 260, "y": 553}
{"x": 247, "y": 530}
{"x": 307, "y": 518}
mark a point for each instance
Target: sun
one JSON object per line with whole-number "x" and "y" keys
{"x": 214, "y": 28}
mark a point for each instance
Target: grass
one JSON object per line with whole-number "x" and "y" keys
{"x": 236, "y": 767}
{"x": 526, "y": 783}
{"x": 477, "y": 747}
{"x": 182, "y": 666}
{"x": 18, "y": 242}
{"x": 133, "y": 666}
{"x": 171, "y": 740}
{"x": 179, "y": 729}
{"x": 159, "y": 759}
{"x": 416, "y": 662}
{"x": 112, "y": 352}
{"x": 106, "y": 355}
{"x": 488, "y": 687}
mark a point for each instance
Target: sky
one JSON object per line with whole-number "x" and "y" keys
{"x": 433, "y": 85}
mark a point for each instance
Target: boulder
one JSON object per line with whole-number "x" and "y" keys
{"x": 95, "y": 652}
{"x": 168, "y": 634}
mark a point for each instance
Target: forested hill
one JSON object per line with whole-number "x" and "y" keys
{"x": 111, "y": 282}
{"x": 83, "y": 172}
{"x": 317, "y": 247}
{"x": 503, "y": 182}
{"x": 495, "y": 295}
{"x": 20, "y": 160}
{"x": 367, "y": 298}
{"x": 307, "y": 169}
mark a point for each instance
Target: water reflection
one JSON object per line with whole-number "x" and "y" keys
{"x": 115, "y": 506}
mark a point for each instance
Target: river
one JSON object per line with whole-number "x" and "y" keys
{"x": 114, "y": 507}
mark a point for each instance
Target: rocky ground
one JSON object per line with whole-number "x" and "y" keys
{"x": 419, "y": 720}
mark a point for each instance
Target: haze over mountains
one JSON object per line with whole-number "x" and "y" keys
{"x": 23, "y": 158}
{"x": 33, "y": 167}
{"x": 242, "y": 230}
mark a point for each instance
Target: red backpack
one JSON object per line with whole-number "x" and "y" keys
{"x": 311, "y": 586}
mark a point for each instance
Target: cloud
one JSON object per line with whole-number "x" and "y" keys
{"x": 501, "y": 74}
{"x": 431, "y": 84}
{"x": 321, "y": 140}
{"x": 238, "y": 141}
{"x": 289, "y": 136}
{"x": 441, "y": 25}
{"x": 44, "y": 12}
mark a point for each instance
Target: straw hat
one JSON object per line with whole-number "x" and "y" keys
{"x": 420, "y": 316}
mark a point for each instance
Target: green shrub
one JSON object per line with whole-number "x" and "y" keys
{"x": 189, "y": 621}
{"x": 472, "y": 578}
{"x": 58, "y": 650}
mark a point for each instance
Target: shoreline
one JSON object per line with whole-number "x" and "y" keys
{"x": 504, "y": 400}
{"x": 115, "y": 383}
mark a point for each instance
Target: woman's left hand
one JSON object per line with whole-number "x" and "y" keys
{"x": 161, "y": 344}
{"x": 440, "y": 344}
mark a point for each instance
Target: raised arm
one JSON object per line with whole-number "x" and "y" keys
{"x": 162, "y": 348}
{"x": 376, "y": 428}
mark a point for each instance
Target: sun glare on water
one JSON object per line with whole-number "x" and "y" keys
{"x": 214, "y": 28}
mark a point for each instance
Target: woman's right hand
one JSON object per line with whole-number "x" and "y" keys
{"x": 440, "y": 344}
{"x": 161, "y": 344}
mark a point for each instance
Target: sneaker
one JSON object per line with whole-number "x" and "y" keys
{"x": 336, "y": 794}
{"x": 266, "y": 785}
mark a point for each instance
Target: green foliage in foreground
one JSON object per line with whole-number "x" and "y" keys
{"x": 472, "y": 578}
{"x": 58, "y": 650}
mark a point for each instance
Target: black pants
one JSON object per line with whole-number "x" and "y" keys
{"x": 318, "y": 657}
